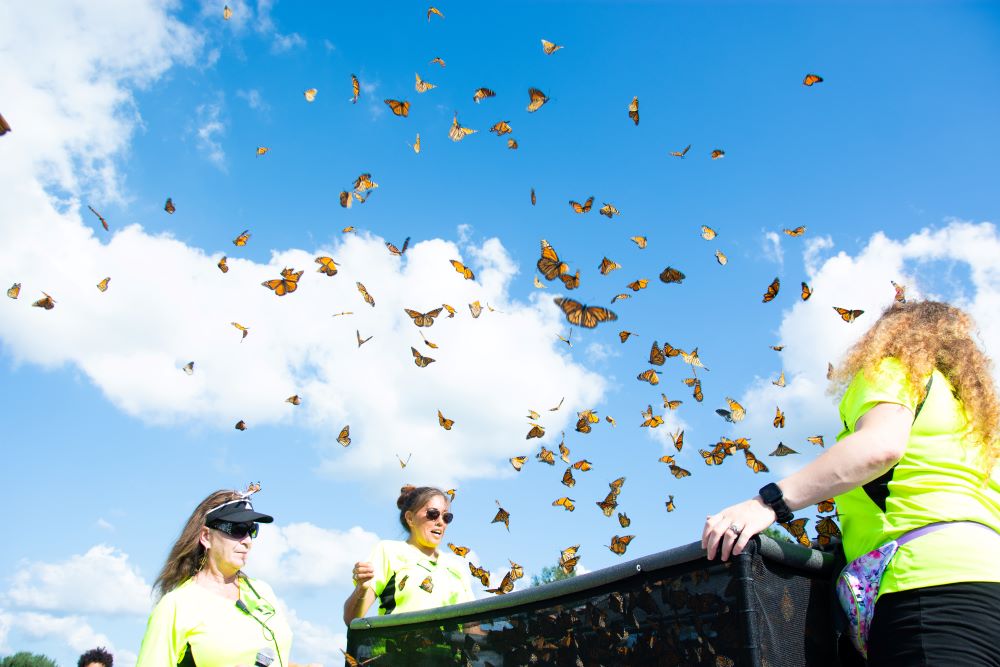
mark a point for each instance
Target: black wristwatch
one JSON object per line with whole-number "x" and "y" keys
{"x": 773, "y": 498}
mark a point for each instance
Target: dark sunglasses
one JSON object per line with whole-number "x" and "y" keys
{"x": 433, "y": 513}
{"x": 237, "y": 531}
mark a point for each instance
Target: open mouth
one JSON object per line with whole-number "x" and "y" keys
{"x": 437, "y": 532}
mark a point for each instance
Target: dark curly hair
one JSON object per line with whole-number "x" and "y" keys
{"x": 98, "y": 655}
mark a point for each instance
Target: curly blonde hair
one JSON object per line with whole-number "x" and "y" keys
{"x": 925, "y": 335}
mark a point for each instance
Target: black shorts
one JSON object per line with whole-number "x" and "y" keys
{"x": 939, "y": 626}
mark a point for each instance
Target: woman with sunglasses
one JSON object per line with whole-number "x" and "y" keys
{"x": 211, "y": 614}
{"x": 415, "y": 574}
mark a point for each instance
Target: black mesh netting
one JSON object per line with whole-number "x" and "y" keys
{"x": 765, "y": 608}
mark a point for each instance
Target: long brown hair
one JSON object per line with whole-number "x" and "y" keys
{"x": 187, "y": 556}
{"x": 924, "y": 335}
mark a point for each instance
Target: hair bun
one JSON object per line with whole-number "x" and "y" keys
{"x": 403, "y": 493}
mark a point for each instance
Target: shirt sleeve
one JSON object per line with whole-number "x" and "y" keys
{"x": 163, "y": 645}
{"x": 380, "y": 562}
{"x": 888, "y": 385}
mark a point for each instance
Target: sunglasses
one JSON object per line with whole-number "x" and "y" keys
{"x": 237, "y": 531}
{"x": 433, "y": 513}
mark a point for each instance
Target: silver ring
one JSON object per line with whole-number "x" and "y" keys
{"x": 736, "y": 529}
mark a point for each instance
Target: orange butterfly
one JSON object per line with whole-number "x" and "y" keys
{"x": 546, "y": 456}
{"x": 438, "y": 61}
{"x": 649, "y": 376}
{"x": 637, "y": 285}
{"x": 227, "y": 14}
{"x": 583, "y": 425}
{"x": 240, "y": 425}
{"x": 169, "y": 206}
{"x": 565, "y": 502}
{"x": 327, "y": 266}
{"x": 780, "y": 382}
{"x": 753, "y": 462}
{"x": 797, "y": 529}
{"x": 396, "y": 251}
{"x": 633, "y": 110}
{"x": 806, "y": 292}
{"x": 344, "y": 438}
{"x": 536, "y": 431}
{"x": 670, "y": 504}
{"x": 223, "y": 266}
{"x": 502, "y": 516}
{"x": 584, "y": 316}
{"x": 798, "y": 231}
{"x": 246, "y": 331}
{"x": 656, "y": 355}
{"x": 310, "y": 94}
{"x": 356, "y": 88}
{"x": 811, "y": 79}
{"x": 457, "y": 132}
{"x": 678, "y": 440}
{"x": 549, "y": 263}
{"x": 717, "y": 153}
{"x": 288, "y": 283}
{"x": 399, "y": 108}
{"x": 428, "y": 343}
{"x": 816, "y": 440}
{"x": 14, "y": 291}
{"x": 571, "y": 282}
{"x": 777, "y": 348}
{"x": 47, "y": 302}
{"x": 583, "y": 465}
{"x": 451, "y": 311}
{"x": 779, "y": 418}
{"x": 423, "y": 319}
{"x": 549, "y": 48}
{"x": 827, "y": 505}
{"x": 512, "y": 144}
{"x": 681, "y": 153}
{"x": 609, "y": 210}
{"x": 479, "y": 573}
{"x": 782, "y": 450}
{"x": 564, "y": 451}
{"x": 518, "y": 462}
{"x": 568, "y": 479}
{"x": 482, "y": 94}
{"x": 640, "y": 241}
{"x": 445, "y": 423}
{"x": 501, "y": 128}
{"x": 721, "y": 258}
{"x": 242, "y": 239}
{"x": 4, "y": 126}
{"x": 103, "y": 285}
{"x": 625, "y": 335}
{"x": 734, "y": 414}
{"x": 294, "y": 400}
{"x": 506, "y": 586}
{"x": 262, "y": 150}
{"x": 433, "y": 10}
{"x": 772, "y": 290}
{"x": 715, "y": 457}
{"x": 369, "y": 299}
{"x": 104, "y": 222}
{"x": 696, "y": 383}
{"x": 421, "y": 85}
{"x": 533, "y": 199}
{"x": 584, "y": 207}
{"x": 707, "y": 233}
{"x": 476, "y": 309}
{"x": 670, "y": 405}
{"x": 826, "y": 530}
{"x": 420, "y": 360}
{"x": 459, "y": 551}
{"x": 427, "y": 584}
{"x": 672, "y": 275}
{"x": 621, "y": 297}
{"x": 650, "y": 420}
{"x": 848, "y": 315}
{"x": 607, "y": 266}
{"x": 619, "y": 544}
{"x": 537, "y": 99}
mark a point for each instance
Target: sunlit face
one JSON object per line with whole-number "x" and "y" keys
{"x": 425, "y": 532}
{"x": 227, "y": 554}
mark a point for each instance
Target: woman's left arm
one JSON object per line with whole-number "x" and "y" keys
{"x": 877, "y": 444}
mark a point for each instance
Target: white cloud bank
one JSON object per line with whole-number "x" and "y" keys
{"x": 302, "y": 554}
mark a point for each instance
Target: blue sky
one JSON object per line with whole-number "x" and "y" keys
{"x": 888, "y": 163}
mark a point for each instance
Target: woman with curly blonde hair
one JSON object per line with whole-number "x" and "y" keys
{"x": 917, "y": 488}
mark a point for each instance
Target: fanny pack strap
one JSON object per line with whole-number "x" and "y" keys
{"x": 931, "y": 527}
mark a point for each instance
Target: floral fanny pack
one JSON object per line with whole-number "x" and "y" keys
{"x": 859, "y": 582}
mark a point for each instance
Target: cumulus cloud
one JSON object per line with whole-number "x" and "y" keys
{"x": 771, "y": 248}
{"x": 209, "y": 130}
{"x": 72, "y": 631}
{"x": 253, "y": 99}
{"x": 813, "y": 335}
{"x": 99, "y": 581}
{"x": 302, "y": 554}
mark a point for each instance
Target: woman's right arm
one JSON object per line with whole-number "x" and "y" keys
{"x": 363, "y": 595}
{"x": 160, "y": 643}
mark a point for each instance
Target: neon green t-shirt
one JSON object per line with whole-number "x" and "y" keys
{"x": 193, "y": 618}
{"x": 937, "y": 479}
{"x": 406, "y": 579}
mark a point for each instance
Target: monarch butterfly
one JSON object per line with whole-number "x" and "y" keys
{"x": 461, "y": 552}
{"x": 779, "y": 418}
{"x": 753, "y": 462}
{"x": 692, "y": 358}
{"x": 649, "y": 376}
{"x": 608, "y": 505}
{"x": 344, "y": 438}
{"x": 777, "y": 348}
{"x": 569, "y": 564}
{"x": 393, "y": 250}
{"x": 717, "y": 153}
{"x": 670, "y": 405}
{"x": 772, "y": 290}
{"x": 294, "y": 399}
{"x": 369, "y": 299}
{"x": 423, "y": 319}
{"x": 356, "y": 87}
{"x": 451, "y": 311}
{"x": 721, "y": 258}
{"x": 678, "y": 440}
{"x": 428, "y": 343}
{"x": 104, "y": 223}
{"x": 361, "y": 341}
{"x": 564, "y": 502}
{"x": 826, "y": 530}
{"x": 103, "y": 285}
{"x": 607, "y": 266}
{"x": 571, "y": 282}
{"x": 326, "y": 265}
{"x": 242, "y": 239}
{"x": 563, "y": 450}
{"x": 734, "y": 414}
{"x": 246, "y": 331}
{"x": 346, "y": 199}
{"x": 671, "y": 351}
{"x": 567, "y": 478}
{"x": 900, "y": 290}
{"x": 619, "y": 544}
{"x": 798, "y": 231}
{"x": 482, "y": 94}
{"x": 640, "y": 241}
{"x": 584, "y": 316}
{"x": 502, "y": 516}
{"x": 506, "y": 586}
{"x": 433, "y": 10}
{"x": 227, "y": 13}
{"x": 546, "y": 456}
{"x": 427, "y": 584}
{"x": 536, "y": 99}
{"x": 620, "y": 297}
{"x": 399, "y": 108}
{"x": 827, "y": 505}
{"x": 420, "y": 360}
{"x": 416, "y": 144}
{"x": 223, "y": 266}
{"x": 609, "y": 210}
{"x": 811, "y": 79}
{"x": 457, "y": 132}
{"x": 829, "y": 371}
{"x": 533, "y": 199}
{"x": 670, "y": 504}
{"x": 451, "y": 493}
{"x": 625, "y": 335}
{"x": 402, "y": 463}
{"x": 797, "y": 529}
{"x": 672, "y": 275}
{"x": 637, "y": 285}
{"x": 478, "y": 572}
{"x": 288, "y": 283}
{"x": 240, "y": 425}
{"x": 806, "y": 292}
{"x": 583, "y": 425}
{"x": 656, "y": 356}
{"x": 437, "y": 61}
{"x": 651, "y": 420}
{"x": 715, "y": 457}
{"x": 476, "y": 309}
{"x": 566, "y": 339}
{"x": 535, "y": 431}
{"x": 848, "y": 315}
{"x": 666, "y": 458}
{"x": 364, "y": 182}
{"x": 780, "y": 382}
{"x": 188, "y": 368}
{"x": 816, "y": 440}
{"x": 707, "y": 233}
{"x": 169, "y": 206}
{"x": 310, "y": 94}
{"x": 421, "y": 85}
{"x": 696, "y": 384}
{"x": 445, "y": 423}
{"x": 582, "y": 465}
{"x": 512, "y": 144}
{"x": 623, "y": 520}
{"x": 549, "y": 48}
{"x": 501, "y": 128}
{"x": 518, "y": 462}
{"x": 782, "y": 450}
{"x": 584, "y": 207}
{"x": 681, "y": 153}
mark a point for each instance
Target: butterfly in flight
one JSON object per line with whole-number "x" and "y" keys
{"x": 623, "y": 520}
{"x": 227, "y": 13}
{"x": 295, "y": 399}
{"x": 463, "y": 269}
{"x": 672, "y": 275}
{"x": 536, "y": 431}
{"x": 246, "y": 331}
{"x": 753, "y": 462}
{"x": 772, "y": 290}
{"x": 609, "y": 210}
{"x": 103, "y": 285}
{"x": 240, "y": 425}
{"x": 582, "y": 315}
{"x": 681, "y": 153}
{"x": 708, "y": 233}
{"x": 46, "y": 302}
{"x": 445, "y": 423}
{"x": 780, "y": 382}
{"x": 356, "y": 88}
{"x": 847, "y": 314}
{"x": 565, "y": 502}
{"x": 797, "y": 529}
{"x": 482, "y": 94}
{"x": 670, "y": 504}
{"x": 810, "y": 79}
{"x": 619, "y": 544}
{"x": 396, "y": 251}
{"x": 223, "y": 266}
{"x": 188, "y": 368}
{"x": 458, "y": 132}
{"x": 798, "y": 231}
{"x": 476, "y": 309}
{"x": 433, "y": 11}
{"x": 584, "y": 207}
{"x": 310, "y": 95}
{"x": 721, "y": 258}
{"x": 326, "y": 265}
{"x": 779, "y": 418}
{"x": 421, "y": 85}
{"x": 625, "y": 335}
{"x": 14, "y": 291}
{"x": 782, "y": 450}
{"x": 718, "y": 153}
{"x": 242, "y": 239}
{"x": 734, "y": 414}
{"x": 479, "y": 573}
{"x": 640, "y": 241}
{"x": 437, "y": 61}
{"x": 402, "y": 463}
{"x": 502, "y": 516}
{"x": 420, "y": 360}
{"x": 633, "y": 110}
{"x": 512, "y": 144}
{"x": 806, "y": 292}
{"x": 104, "y": 223}
{"x": 344, "y": 438}
{"x": 399, "y": 108}
{"x": 369, "y": 299}
{"x": 288, "y": 283}
{"x": 416, "y": 144}
{"x": 549, "y": 48}
{"x": 501, "y": 128}
{"x": 816, "y": 440}
{"x": 169, "y": 206}
{"x": 361, "y": 341}
{"x": 536, "y": 99}
{"x": 534, "y": 200}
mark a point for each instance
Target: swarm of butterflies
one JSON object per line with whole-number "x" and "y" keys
{"x": 552, "y": 269}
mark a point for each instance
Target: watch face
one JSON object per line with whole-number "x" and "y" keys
{"x": 770, "y": 493}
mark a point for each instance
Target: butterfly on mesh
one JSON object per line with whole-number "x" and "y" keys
{"x": 772, "y": 290}
{"x": 536, "y": 99}
{"x": 549, "y": 47}
{"x": 288, "y": 283}
{"x": 420, "y": 360}
{"x": 458, "y": 551}
{"x": 847, "y": 314}
{"x": 619, "y": 544}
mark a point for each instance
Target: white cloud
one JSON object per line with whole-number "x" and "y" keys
{"x": 100, "y": 581}
{"x": 288, "y": 42}
{"x": 5, "y": 622}
{"x": 265, "y": 25}
{"x": 771, "y": 248}
{"x": 598, "y": 352}
{"x": 210, "y": 128}
{"x": 73, "y": 631}
{"x": 813, "y": 335}
{"x": 317, "y": 644}
{"x": 104, "y": 524}
{"x": 302, "y": 554}
{"x": 329, "y": 46}
{"x": 253, "y": 99}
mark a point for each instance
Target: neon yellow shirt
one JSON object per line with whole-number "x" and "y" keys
{"x": 408, "y": 580}
{"x": 216, "y": 632}
{"x": 937, "y": 479}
